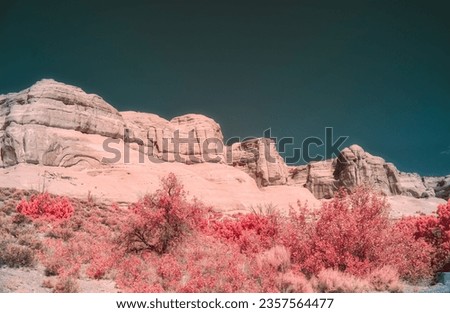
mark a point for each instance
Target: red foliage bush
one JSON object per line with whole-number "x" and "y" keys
{"x": 443, "y": 213}
{"x": 44, "y": 206}
{"x": 102, "y": 258}
{"x": 410, "y": 256}
{"x": 209, "y": 265}
{"x": 352, "y": 233}
{"x": 434, "y": 230}
{"x": 252, "y": 232}
{"x": 160, "y": 220}
{"x": 276, "y": 259}
{"x": 297, "y": 233}
{"x": 135, "y": 274}
{"x": 349, "y": 233}
{"x": 66, "y": 284}
{"x": 63, "y": 258}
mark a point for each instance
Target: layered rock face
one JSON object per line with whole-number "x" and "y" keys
{"x": 191, "y": 138}
{"x": 260, "y": 159}
{"x": 54, "y": 124}
{"x": 354, "y": 167}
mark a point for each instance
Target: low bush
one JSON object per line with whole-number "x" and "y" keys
{"x": 291, "y": 282}
{"x": 385, "y": 279}
{"x": 15, "y": 255}
{"x": 330, "y": 280}
{"x": 47, "y": 207}
{"x": 66, "y": 284}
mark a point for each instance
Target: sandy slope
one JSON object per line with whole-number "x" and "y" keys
{"x": 225, "y": 188}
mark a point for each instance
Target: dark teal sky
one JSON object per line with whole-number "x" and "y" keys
{"x": 377, "y": 71}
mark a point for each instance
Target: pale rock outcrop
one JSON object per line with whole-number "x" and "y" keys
{"x": 53, "y": 104}
{"x": 259, "y": 158}
{"x": 38, "y": 144}
{"x": 440, "y": 186}
{"x": 411, "y": 184}
{"x": 320, "y": 180}
{"x": 191, "y": 138}
{"x": 55, "y": 124}
{"x": 354, "y": 167}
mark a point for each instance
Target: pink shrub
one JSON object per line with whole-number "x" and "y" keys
{"x": 253, "y": 233}
{"x": 352, "y": 233}
{"x": 349, "y": 233}
{"x": 160, "y": 220}
{"x": 44, "y": 206}
{"x": 134, "y": 275}
{"x": 102, "y": 259}
{"x": 165, "y": 243}
{"x": 297, "y": 233}
{"x": 169, "y": 270}
{"x": 410, "y": 256}
{"x": 434, "y": 231}
{"x": 209, "y": 265}
{"x": 63, "y": 258}
{"x": 276, "y": 259}
{"x": 66, "y": 284}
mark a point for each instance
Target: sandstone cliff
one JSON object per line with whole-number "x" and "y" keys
{"x": 58, "y": 125}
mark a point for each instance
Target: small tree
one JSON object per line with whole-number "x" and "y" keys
{"x": 161, "y": 219}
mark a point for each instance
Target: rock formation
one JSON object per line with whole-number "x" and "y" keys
{"x": 440, "y": 185}
{"x": 191, "y": 138}
{"x": 259, "y": 158}
{"x": 354, "y": 167}
{"x": 54, "y": 124}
